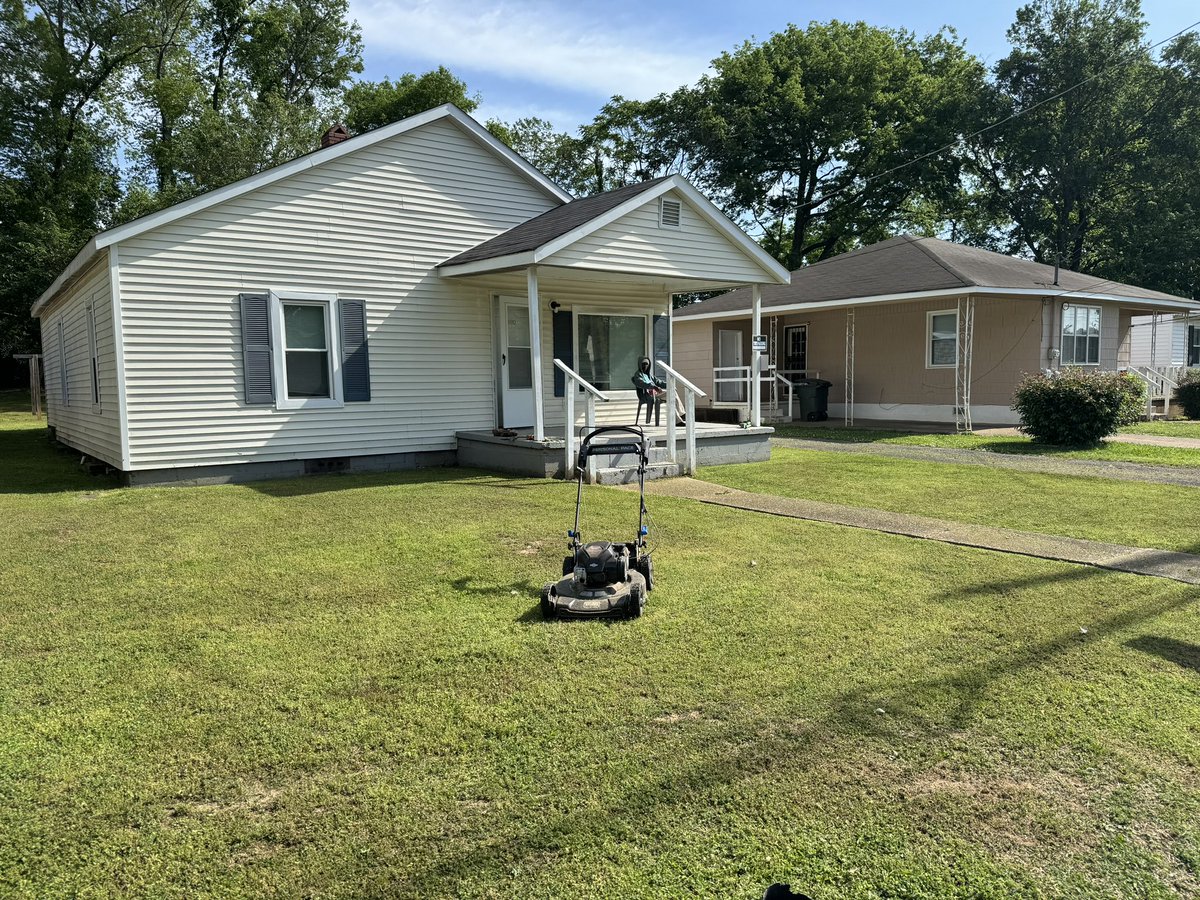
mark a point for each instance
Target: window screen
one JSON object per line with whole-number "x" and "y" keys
{"x": 306, "y": 345}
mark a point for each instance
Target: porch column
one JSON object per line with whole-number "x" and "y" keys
{"x": 535, "y": 347}
{"x": 755, "y": 356}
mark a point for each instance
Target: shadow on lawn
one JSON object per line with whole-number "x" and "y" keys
{"x": 947, "y": 703}
{"x": 1182, "y": 653}
{"x": 741, "y": 752}
{"x": 31, "y": 464}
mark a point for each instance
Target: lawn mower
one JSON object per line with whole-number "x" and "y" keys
{"x": 604, "y": 579}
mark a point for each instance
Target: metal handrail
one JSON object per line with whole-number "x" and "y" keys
{"x": 592, "y": 395}
{"x": 580, "y": 380}
{"x": 687, "y": 384}
{"x": 690, "y": 393}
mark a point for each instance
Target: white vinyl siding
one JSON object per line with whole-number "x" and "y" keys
{"x": 637, "y": 244}
{"x": 1170, "y": 342}
{"x": 91, "y": 428}
{"x": 370, "y": 225}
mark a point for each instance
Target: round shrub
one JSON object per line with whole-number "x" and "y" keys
{"x": 1188, "y": 393}
{"x": 1077, "y": 407}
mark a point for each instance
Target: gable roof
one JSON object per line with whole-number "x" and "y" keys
{"x": 553, "y": 223}
{"x": 909, "y": 265}
{"x": 309, "y": 160}
{"x": 534, "y": 241}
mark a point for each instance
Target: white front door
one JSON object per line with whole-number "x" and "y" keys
{"x": 729, "y": 358}
{"x": 516, "y": 364}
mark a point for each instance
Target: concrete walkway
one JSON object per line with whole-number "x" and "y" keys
{"x": 1150, "y": 440}
{"x": 1179, "y": 476}
{"x": 1183, "y": 567}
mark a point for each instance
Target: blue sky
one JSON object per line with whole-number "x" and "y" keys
{"x": 562, "y": 60}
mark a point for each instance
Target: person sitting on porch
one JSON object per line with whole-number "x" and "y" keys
{"x": 650, "y": 391}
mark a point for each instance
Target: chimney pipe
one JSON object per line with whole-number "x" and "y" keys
{"x": 334, "y": 135}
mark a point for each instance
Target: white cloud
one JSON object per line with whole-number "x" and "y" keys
{"x": 568, "y": 50}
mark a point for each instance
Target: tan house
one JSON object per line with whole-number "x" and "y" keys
{"x": 910, "y": 329}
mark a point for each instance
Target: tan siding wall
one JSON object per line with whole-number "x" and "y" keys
{"x": 693, "y": 354}
{"x": 370, "y": 225}
{"x": 637, "y": 244}
{"x": 890, "y": 351}
{"x": 89, "y": 428}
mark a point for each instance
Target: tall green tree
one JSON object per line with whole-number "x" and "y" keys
{"x": 62, "y": 66}
{"x": 370, "y": 104}
{"x": 815, "y": 136}
{"x": 1083, "y": 89}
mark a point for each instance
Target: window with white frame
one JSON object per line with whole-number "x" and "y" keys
{"x": 941, "y": 339}
{"x": 307, "y": 366}
{"x": 93, "y": 355}
{"x": 609, "y": 347}
{"x": 1193, "y": 345}
{"x": 64, "y": 392}
{"x": 1080, "y": 335}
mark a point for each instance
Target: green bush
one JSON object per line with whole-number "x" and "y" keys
{"x": 1077, "y": 407}
{"x": 1188, "y": 393}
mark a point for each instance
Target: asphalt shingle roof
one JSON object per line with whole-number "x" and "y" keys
{"x": 908, "y": 264}
{"x": 551, "y": 224}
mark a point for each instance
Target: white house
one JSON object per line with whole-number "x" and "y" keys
{"x": 1165, "y": 340}
{"x": 364, "y": 304}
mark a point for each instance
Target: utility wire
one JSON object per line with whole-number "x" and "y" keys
{"x": 1016, "y": 115}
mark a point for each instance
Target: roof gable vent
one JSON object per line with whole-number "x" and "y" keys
{"x": 669, "y": 213}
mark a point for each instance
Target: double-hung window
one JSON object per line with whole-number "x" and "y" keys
{"x": 941, "y": 339}
{"x": 64, "y": 392}
{"x": 1080, "y": 335}
{"x": 93, "y": 355}
{"x": 609, "y": 347}
{"x": 306, "y": 366}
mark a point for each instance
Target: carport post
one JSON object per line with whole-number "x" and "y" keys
{"x": 755, "y": 356}
{"x": 535, "y": 344}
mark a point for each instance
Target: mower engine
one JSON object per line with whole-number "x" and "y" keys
{"x": 600, "y": 563}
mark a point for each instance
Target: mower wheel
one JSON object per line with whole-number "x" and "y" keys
{"x": 568, "y": 565}
{"x": 548, "y": 610}
{"x": 645, "y": 565}
{"x": 637, "y": 601}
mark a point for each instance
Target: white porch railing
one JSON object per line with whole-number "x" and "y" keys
{"x": 773, "y": 381}
{"x": 592, "y": 395}
{"x": 691, "y": 392}
{"x": 1161, "y": 382}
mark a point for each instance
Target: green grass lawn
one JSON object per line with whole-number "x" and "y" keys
{"x": 1112, "y": 451}
{"x": 338, "y": 687}
{"x": 1123, "y": 512}
{"x": 1170, "y": 428}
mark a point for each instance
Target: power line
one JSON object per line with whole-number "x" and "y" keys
{"x": 904, "y": 165}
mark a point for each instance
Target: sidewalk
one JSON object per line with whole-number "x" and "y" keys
{"x": 1180, "y": 476}
{"x": 1153, "y": 440}
{"x": 1183, "y": 567}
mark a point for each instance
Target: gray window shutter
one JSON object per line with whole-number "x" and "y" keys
{"x": 256, "y": 349}
{"x": 564, "y": 348}
{"x": 356, "y": 364}
{"x": 662, "y": 339}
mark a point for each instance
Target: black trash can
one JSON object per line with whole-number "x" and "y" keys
{"x": 812, "y": 395}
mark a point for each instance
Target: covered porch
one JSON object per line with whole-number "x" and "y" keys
{"x": 579, "y": 295}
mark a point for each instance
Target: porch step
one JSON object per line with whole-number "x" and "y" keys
{"x": 628, "y": 474}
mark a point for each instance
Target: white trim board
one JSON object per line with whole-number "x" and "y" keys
{"x": 776, "y": 273}
{"x": 308, "y": 161}
{"x": 947, "y": 294}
